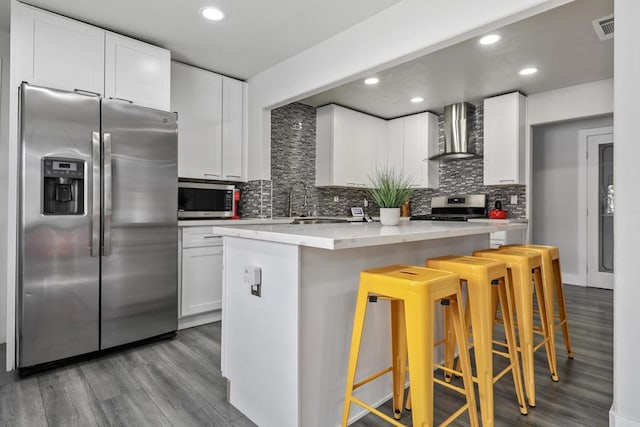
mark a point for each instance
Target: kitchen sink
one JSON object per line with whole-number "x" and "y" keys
{"x": 318, "y": 221}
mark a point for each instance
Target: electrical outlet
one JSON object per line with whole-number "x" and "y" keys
{"x": 253, "y": 278}
{"x": 365, "y": 203}
{"x": 336, "y": 198}
{"x": 514, "y": 200}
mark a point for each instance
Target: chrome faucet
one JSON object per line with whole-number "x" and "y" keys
{"x": 291, "y": 192}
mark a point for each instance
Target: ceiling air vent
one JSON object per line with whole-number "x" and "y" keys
{"x": 604, "y": 27}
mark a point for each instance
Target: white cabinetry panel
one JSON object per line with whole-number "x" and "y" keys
{"x": 201, "y": 280}
{"x": 195, "y": 95}
{"x": 137, "y": 71}
{"x": 201, "y": 271}
{"x": 411, "y": 140}
{"x": 233, "y": 129}
{"x": 347, "y": 144}
{"x": 211, "y": 124}
{"x": 58, "y": 52}
{"x": 504, "y": 139}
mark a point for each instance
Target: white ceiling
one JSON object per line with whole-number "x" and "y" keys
{"x": 256, "y": 34}
{"x": 561, "y": 43}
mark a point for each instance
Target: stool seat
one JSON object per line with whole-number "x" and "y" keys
{"x": 480, "y": 274}
{"x": 412, "y": 293}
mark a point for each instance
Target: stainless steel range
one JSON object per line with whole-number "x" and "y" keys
{"x": 456, "y": 208}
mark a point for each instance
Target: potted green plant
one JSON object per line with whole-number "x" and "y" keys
{"x": 389, "y": 191}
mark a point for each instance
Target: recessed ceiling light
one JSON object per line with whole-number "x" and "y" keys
{"x": 490, "y": 39}
{"x": 371, "y": 81}
{"x": 417, "y": 99}
{"x": 528, "y": 71}
{"x": 212, "y": 14}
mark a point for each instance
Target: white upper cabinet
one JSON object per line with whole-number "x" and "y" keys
{"x": 233, "y": 131}
{"x": 211, "y": 124}
{"x": 411, "y": 140}
{"x": 195, "y": 96}
{"x": 347, "y": 144}
{"x": 58, "y": 52}
{"x": 137, "y": 72}
{"x": 504, "y": 139}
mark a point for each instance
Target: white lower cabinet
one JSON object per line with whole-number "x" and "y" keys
{"x": 499, "y": 238}
{"x": 200, "y": 277}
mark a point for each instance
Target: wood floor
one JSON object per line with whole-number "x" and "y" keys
{"x": 178, "y": 382}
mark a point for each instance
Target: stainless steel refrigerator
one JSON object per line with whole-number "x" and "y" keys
{"x": 97, "y": 224}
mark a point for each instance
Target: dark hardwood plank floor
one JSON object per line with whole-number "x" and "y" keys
{"x": 178, "y": 382}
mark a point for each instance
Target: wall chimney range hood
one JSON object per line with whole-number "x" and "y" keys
{"x": 458, "y": 125}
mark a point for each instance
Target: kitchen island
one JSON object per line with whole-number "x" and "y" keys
{"x": 285, "y": 351}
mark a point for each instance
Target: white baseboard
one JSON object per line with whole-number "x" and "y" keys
{"x": 572, "y": 279}
{"x": 616, "y": 420}
{"x": 199, "y": 319}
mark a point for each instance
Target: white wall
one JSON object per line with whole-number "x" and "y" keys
{"x": 555, "y": 201}
{"x": 585, "y": 100}
{"x": 625, "y": 411}
{"x": 4, "y": 144}
{"x": 568, "y": 103}
{"x": 400, "y": 33}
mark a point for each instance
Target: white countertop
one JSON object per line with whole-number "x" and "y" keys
{"x": 357, "y": 235}
{"x": 226, "y": 222}
{"x": 500, "y": 221}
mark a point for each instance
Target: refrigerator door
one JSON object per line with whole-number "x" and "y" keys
{"x": 58, "y": 278}
{"x": 140, "y": 228}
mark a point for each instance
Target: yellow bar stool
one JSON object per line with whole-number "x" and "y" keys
{"x": 552, "y": 282}
{"x": 412, "y": 293}
{"x": 520, "y": 266}
{"x": 480, "y": 274}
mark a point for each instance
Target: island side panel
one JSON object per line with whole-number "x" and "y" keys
{"x": 329, "y": 284}
{"x": 260, "y": 334}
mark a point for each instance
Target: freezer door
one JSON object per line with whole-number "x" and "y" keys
{"x": 58, "y": 287}
{"x": 140, "y": 233}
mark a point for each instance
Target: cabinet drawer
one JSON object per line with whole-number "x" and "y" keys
{"x": 193, "y": 237}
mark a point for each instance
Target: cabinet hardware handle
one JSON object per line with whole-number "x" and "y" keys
{"x": 86, "y": 92}
{"x": 233, "y": 176}
{"x": 121, "y": 99}
{"x": 212, "y": 174}
{"x": 211, "y": 237}
{"x": 507, "y": 180}
{"x": 351, "y": 183}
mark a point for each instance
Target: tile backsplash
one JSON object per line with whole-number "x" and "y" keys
{"x": 293, "y": 140}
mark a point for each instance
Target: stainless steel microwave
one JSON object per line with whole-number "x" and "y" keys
{"x": 204, "y": 200}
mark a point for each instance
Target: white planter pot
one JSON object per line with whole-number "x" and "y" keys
{"x": 390, "y": 216}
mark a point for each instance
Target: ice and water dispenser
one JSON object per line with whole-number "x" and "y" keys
{"x": 63, "y": 185}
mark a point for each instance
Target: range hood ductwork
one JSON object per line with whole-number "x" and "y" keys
{"x": 458, "y": 124}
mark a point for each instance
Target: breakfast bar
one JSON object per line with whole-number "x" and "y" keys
{"x": 288, "y": 301}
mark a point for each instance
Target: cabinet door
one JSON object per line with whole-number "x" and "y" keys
{"x": 346, "y": 127}
{"x": 415, "y": 149}
{"x": 394, "y": 149}
{"x": 232, "y": 129}
{"x": 58, "y": 52}
{"x": 197, "y": 97}
{"x": 504, "y": 118}
{"x": 137, "y": 72}
{"x": 371, "y": 134}
{"x": 201, "y": 280}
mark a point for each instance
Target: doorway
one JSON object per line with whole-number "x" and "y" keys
{"x": 600, "y": 208}
{"x": 558, "y": 191}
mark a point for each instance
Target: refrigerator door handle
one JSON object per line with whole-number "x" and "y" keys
{"x": 94, "y": 247}
{"x": 106, "y": 219}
